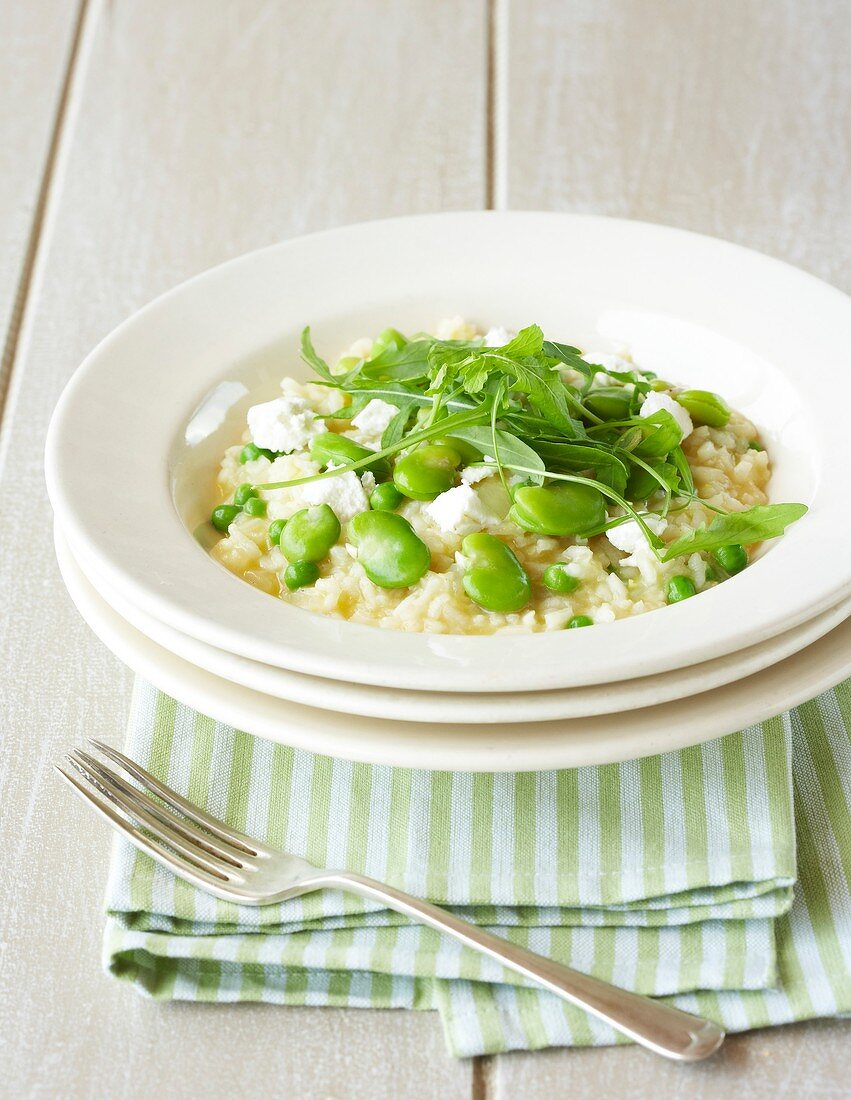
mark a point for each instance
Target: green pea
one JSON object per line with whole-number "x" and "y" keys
{"x": 609, "y": 402}
{"x": 385, "y": 497}
{"x": 755, "y": 445}
{"x": 732, "y": 558}
{"x": 254, "y": 506}
{"x": 389, "y": 339}
{"x": 659, "y": 385}
{"x": 342, "y": 451}
{"x": 224, "y": 515}
{"x": 579, "y": 620}
{"x": 680, "y": 588}
{"x": 705, "y": 407}
{"x": 275, "y": 528}
{"x": 565, "y": 508}
{"x": 427, "y": 472}
{"x": 310, "y": 533}
{"x": 243, "y": 493}
{"x": 300, "y": 574}
{"x": 494, "y": 578}
{"x": 557, "y": 578}
{"x": 661, "y": 434}
{"x": 391, "y": 552}
{"x": 250, "y": 452}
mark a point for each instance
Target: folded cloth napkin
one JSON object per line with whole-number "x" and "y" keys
{"x": 672, "y": 876}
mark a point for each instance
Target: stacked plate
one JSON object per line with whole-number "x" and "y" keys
{"x": 135, "y": 442}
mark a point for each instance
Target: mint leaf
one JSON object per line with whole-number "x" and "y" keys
{"x": 765, "y": 521}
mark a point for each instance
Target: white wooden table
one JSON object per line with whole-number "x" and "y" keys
{"x": 144, "y": 140}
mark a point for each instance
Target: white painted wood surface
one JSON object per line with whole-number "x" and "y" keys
{"x": 36, "y": 40}
{"x": 195, "y": 131}
{"x": 727, "y": 117}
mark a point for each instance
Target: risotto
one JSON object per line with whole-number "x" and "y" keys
{"x": 482, "y": 483}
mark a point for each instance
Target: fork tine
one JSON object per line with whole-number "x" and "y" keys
{"x": 192, "y": 833}
{"x": 145, "y": 811}
{"x": 218, "y": 828}
{"x": 214, "y": 884}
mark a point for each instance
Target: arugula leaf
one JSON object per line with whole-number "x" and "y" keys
{"x": 395, "y": 393}
{"x": 350, "y": 411}
{"x": 571, "y": 357}
{"x": 309, "y": 355}
{"x": 406, "y": 364}
{"x": 679, "y": 459}
{"x": 395, "y": 430}
{"x": 511, "y": 449}
{"x": 528, "y": 341}
{"x": 610, "y": 470}
{"x": 661, "y": 435}
{"x": 765, "y": 521}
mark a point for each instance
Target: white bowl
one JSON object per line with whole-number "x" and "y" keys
{"x": 520, "y": 746}
{"x": 130, "y": 465}
{"x": 463, "y": 707}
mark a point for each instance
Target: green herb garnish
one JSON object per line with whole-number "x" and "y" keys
{"x": 523, "y": 408}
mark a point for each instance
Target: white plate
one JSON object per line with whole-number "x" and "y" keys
{"x": 466, "y": 707}
{"x": 130, "y": 467}
{"x": 525, "y": 746}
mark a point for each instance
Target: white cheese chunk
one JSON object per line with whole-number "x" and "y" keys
{"x": 498, "y": 336}
{"x": 653, "y": 402}
{"x": 372, "y": 420}
{"x": 472, "y": 475}
{"x": 459, "y": 511}
{"x": 629, "y": 536}
{"x": 344, "y": 493}
{"x": 286, "y": 424}
{"x": 368, "y": 481}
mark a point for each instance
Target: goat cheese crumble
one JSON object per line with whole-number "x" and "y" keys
{"x": 344, "y": 493}
{"x": 285, "y": 424}
{"x": 459, "y": 510}
{"x": 654, "y": 402}
{"x": 372, "y": 421}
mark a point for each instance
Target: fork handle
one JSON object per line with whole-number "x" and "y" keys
{"x": 660, "y": 1027}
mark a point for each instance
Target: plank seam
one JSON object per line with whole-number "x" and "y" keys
{"x": 27, "y": 279}
{"x": 490, "y": 101}
{"x": 481, "y": 1078}
{"x": 497, "y": 90}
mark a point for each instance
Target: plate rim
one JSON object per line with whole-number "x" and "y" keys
{"x": 421, "y": 665}
{"x": 503, "y": 708}
{"x": 556, "y": 746}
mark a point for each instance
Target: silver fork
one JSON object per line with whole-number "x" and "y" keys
{"x": 238, "y": 868}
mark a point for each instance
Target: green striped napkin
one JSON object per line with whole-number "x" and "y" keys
{"x": 672, "y": 875}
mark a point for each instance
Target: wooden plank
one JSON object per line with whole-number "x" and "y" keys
{"x": 35, "y": 45}
{"x": 727, "y": 117}
{"x": 200, "y": 130}
{"x": 804, "y": 1060}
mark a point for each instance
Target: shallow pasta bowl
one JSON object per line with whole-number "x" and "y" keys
{"x": 135, "y": 440}
{"x": 520, "y": 745}
{"x": 462, "y": 708}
